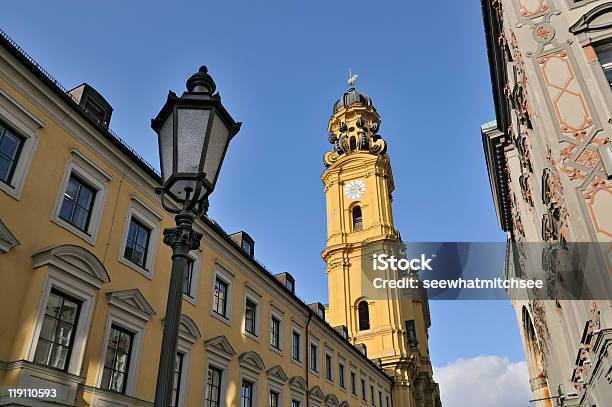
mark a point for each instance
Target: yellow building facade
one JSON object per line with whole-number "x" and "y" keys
{"x": 84, "y": 276}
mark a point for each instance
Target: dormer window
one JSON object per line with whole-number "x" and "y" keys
{"x": 287, "y": 280}
{"x": 92, "y": 103}
{"x": 245, "y": 242}
{"x": 94, "y": 110}
{"x": 246, "y": 246}
{"x": 290, "y": 284}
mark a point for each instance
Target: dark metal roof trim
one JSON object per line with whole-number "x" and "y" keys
{"x": 10, "y": 45}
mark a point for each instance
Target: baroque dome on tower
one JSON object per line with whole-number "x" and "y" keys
{"x": 353, "y": 127}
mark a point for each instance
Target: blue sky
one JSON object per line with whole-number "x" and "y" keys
{"x": 279, "y": 66}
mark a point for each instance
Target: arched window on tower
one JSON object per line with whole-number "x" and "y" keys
{"x": 353, "y": 144}
{"x": 357, "y": 219}
{"x": 364, "y": 315}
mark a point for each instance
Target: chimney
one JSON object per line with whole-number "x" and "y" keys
{"x": 92, "y": 103}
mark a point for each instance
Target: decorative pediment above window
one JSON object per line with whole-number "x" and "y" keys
{"x": 220, "y": 346}
{"x": 251, "y": 361}
{"x": 277, "y": 374}
{"x": 344, "y": 404}
{"x": 74, "y": 260}
{"x": 331, "y": 401}
{"x": 131, "y": 301}
{"x": 597, "y": 19}
{"x": 7, "y": 239}
{"x": 316, "y": 393}
{"x": 188, "y": 330}
{"x": 298, "y": 383}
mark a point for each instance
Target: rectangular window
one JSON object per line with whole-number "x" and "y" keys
{"x": 290, "y": 284}
{"x": 10, "y": 149}
{"x": 273, "y": 399}
{"x": 363, "y": 390}
{"x": 94, "y": 110}
{"x": 328, "y": 367}
{"x": 380, "y": 398}
{"x": 314, "y": 357}
{"x": 220, "y": 298}
{"x": 78, "y": 203}
{"x": 137, "y": 243}
{"x": 295, "y": 346}
{"x": 295, "y": 403}
{"x": 353, "y": 384}
{"x": 117, "y": 360}
{"x": 188, "y": 278}
{"x": 250, "y": 315}
{"x": 246, "y": 246}
{"x": 176, "y": 385}
{"x": 387, "y": 401}
{"x": 341, "y": 375}
{"x": 372, "y": 399}
{"x": 275, "y": 333}
{"x": 57, "y": 332}
{"x": 246, "y": 394}
{"x": 213, "y": 387}
{"x": 604, "y": 54}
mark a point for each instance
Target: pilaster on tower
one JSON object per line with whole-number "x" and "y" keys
{"x": 358, "y": 183}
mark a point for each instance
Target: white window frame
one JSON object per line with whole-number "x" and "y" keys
{"x": 84, "y": 169}
{"x": 255, "y": 297}
{"x": 250, "y": 377}
{"x": 80, "y": 291}
{"x": 149, "y": 218}
{"x": 278, "y": 314}
{"x": 353, "y": 372}
{"x": 27, "y": 125}
{"x": 223, "y": 274}
{"x": 342, "y": 361}
{"x": 273, "y": 387}
{"x": 222, "y": 365}
{"x": 195, "y": 279}
{"x": 314, "y": 341}
{"x": 372, "y": 392}
{"x": 329, "y": 352}
{"x": 363, "y": 387}
{"x": 184, "y": 346}
{"x": 133, "y": 324}
{"x": 303, "y": 353}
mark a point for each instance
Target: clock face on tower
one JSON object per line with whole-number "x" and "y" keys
{"x": 354, "y": 189}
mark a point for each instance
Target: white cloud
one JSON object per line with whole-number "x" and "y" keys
{"x": 484, "y": 381}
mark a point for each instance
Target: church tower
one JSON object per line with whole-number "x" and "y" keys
{"x": 358, "y": 183}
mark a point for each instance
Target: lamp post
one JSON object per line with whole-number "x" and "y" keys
{"x": 194, "y": 131}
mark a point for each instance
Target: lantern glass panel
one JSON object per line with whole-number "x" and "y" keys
{"x": 166, "y": 146}
{"x": 191, "y": 132}
{"x": 219, "y": 138}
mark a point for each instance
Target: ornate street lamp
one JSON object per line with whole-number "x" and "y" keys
{"x": 194, "y": 131}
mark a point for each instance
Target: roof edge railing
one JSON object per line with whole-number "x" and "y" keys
{"x": 65, "y": 91}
